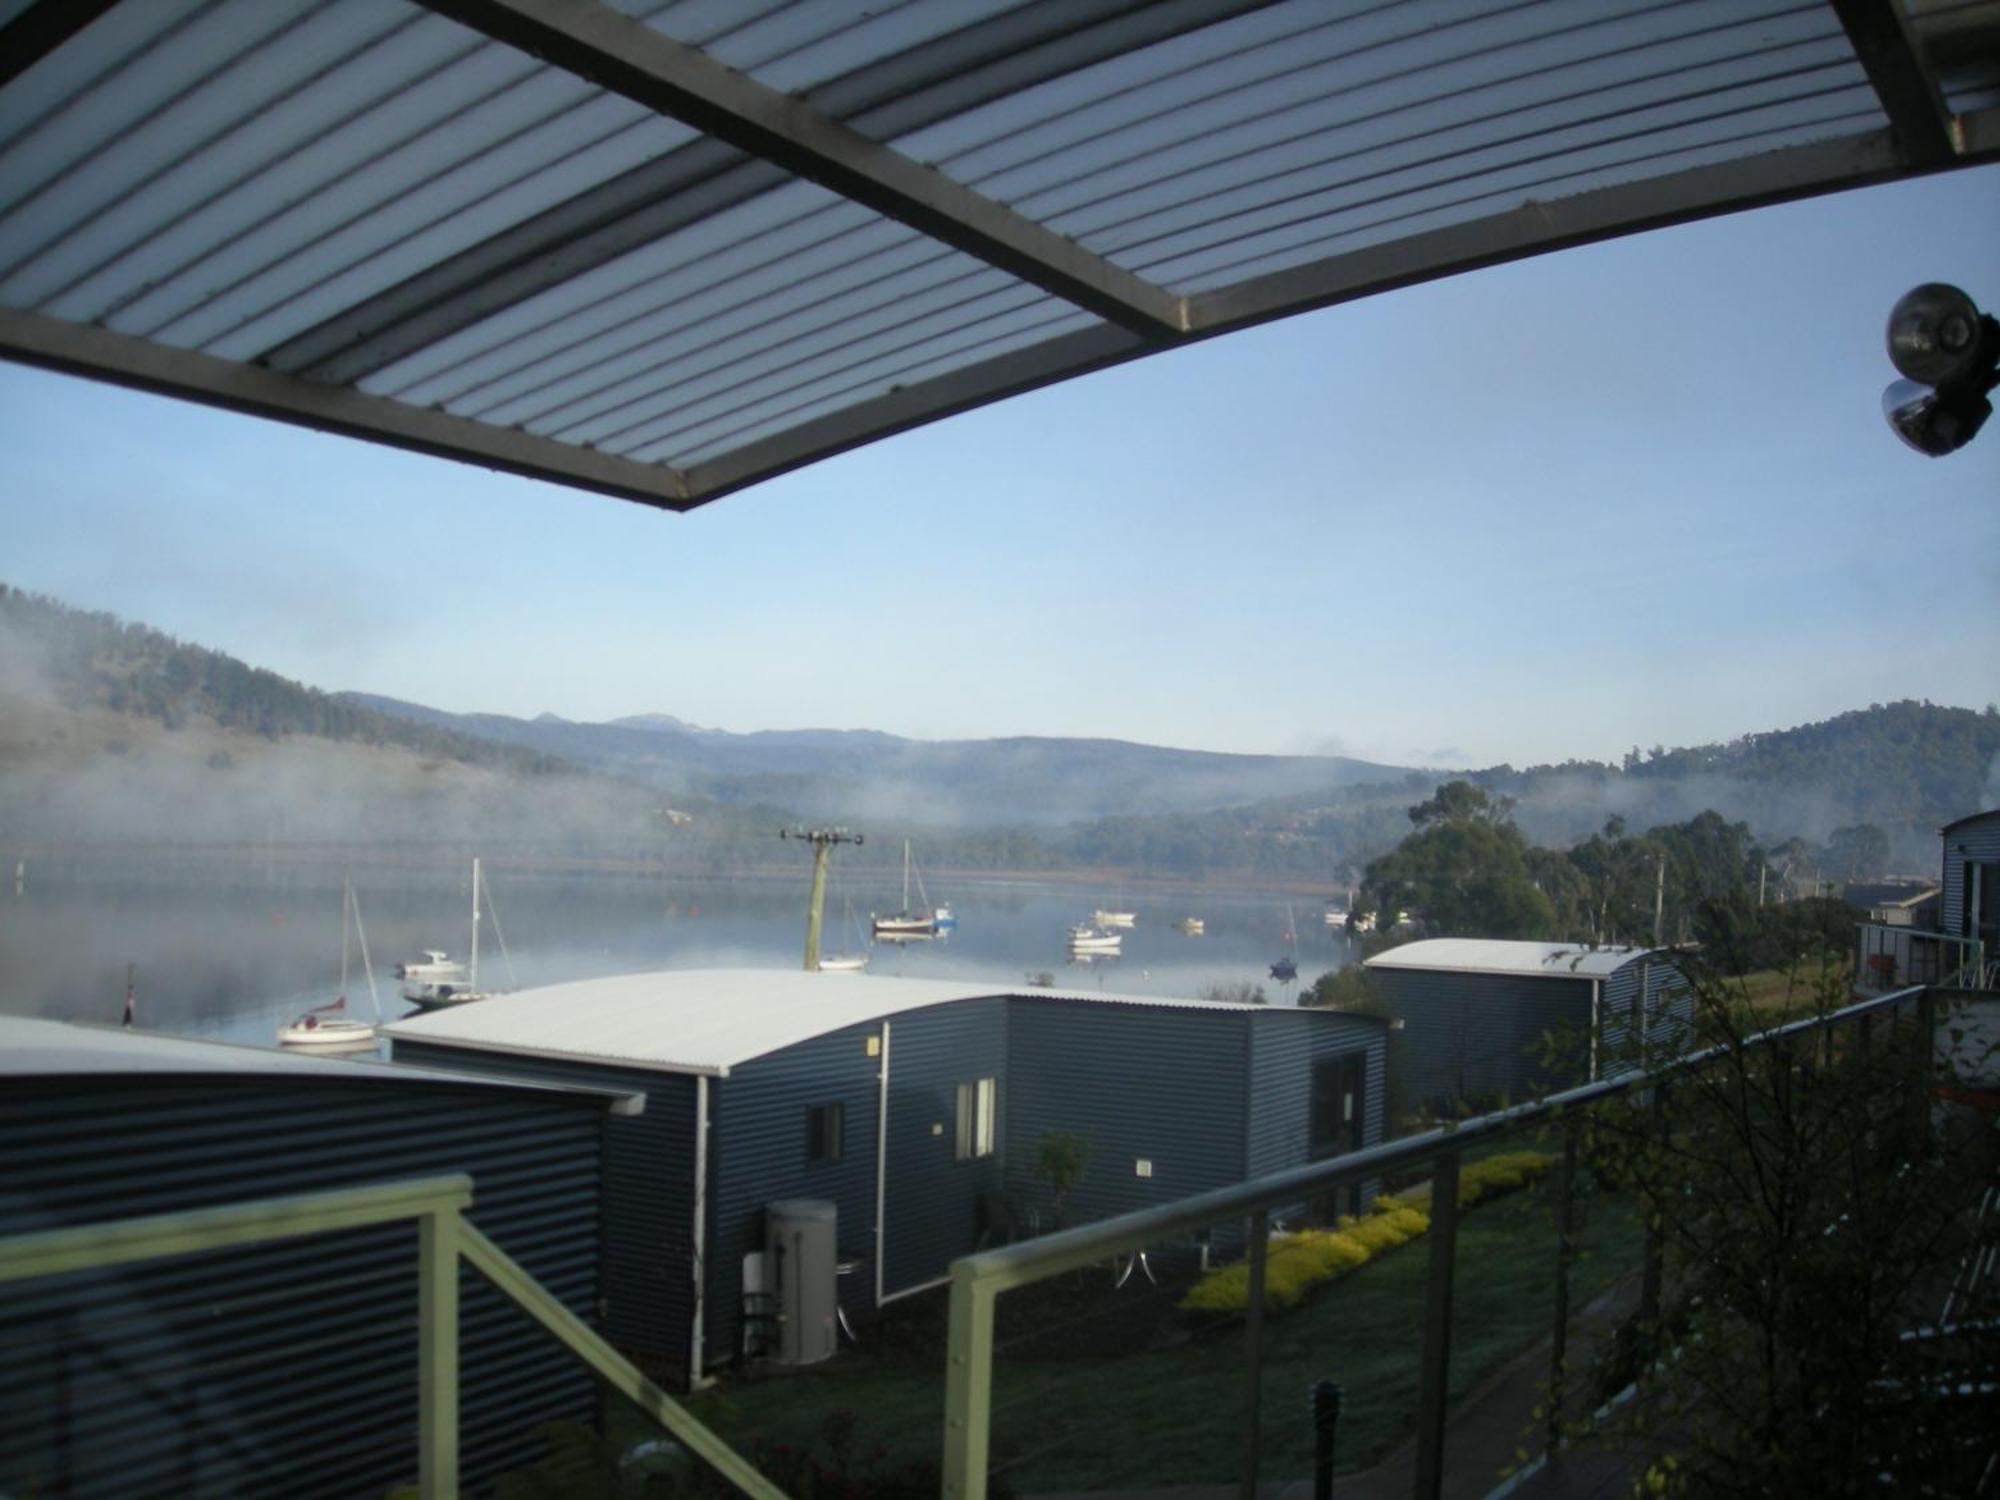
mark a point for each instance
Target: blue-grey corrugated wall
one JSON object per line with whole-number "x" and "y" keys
{"x": 648, "y": 1193}
{"x": 287, "y": 1369}
{"x": 758, "y": 1119}
{"x": 1976, "y": 840}
{"x": 931, "y": 1210}
{"x": 1284, "y": 1046}
{"x": 1482, "y": 1034}
{"x": 1156, "y": 1083}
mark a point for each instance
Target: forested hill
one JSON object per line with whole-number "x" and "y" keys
{"x": 94, "y": 660}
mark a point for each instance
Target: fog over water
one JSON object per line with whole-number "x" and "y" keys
{"x": 233, "y": 952}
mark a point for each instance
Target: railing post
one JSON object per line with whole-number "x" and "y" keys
{"x": 1565, "y": 1253}
{"x": 1253, "y": 1350}
{"x": 1650, "y": 1275}
{"x": 437, "y": 1354}
{"x": 968, "y": 1390}
{"x": 1433, "y": 1381}
{"x": 1325, "y": 1402}
{"x": 1926, "y": 1040}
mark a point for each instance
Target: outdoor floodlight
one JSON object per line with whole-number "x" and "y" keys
{"x": 1949, "y": 355}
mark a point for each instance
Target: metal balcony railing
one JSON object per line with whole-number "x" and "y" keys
{"x": 1892, "y": 958}
{"x": 978, "y": 1280}
{"x": 444, "y": 1238}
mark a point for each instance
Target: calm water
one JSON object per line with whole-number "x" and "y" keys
{"x": 234, "y": 953}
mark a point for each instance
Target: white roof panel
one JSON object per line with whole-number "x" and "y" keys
{"x": 33, "y": 1047}
{"x": 710, "y": 1020}
{"x": 1491, "y": 956}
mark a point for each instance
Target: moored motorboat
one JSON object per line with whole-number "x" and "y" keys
{"x": 429, "y": 973}
{"x": 1192, "y": 926}
{"x": 440, "y": 989}
{"x": 843, "y": 963}
{"x": 1110, "y": 919}
{"x": 1084, "y": 938}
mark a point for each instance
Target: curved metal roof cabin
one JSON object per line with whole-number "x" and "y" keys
{"x": 288, "y": 1367}
{"x": 1486, "y": 1019}
{"x": 666, "y": 250}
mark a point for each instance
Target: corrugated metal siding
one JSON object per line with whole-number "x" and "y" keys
{"x": 1669, "y": 1004}
{"x": 1975, "y": 840}
{"x": 758, "y": 1149}
{"x": 288, "y": 1369}
{"x": 1481, "y": 1033}
{"x": 1166, "y": 1086}
{"x": 648, "y": 1173}
{"x": 931, "y": 1212}
{"x": 1283, "y": 1049}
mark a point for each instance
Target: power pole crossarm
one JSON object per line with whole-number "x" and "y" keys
{"x": 822, "y": 840}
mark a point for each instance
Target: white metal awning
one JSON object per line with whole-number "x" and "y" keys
{"x": 666, "y": 250}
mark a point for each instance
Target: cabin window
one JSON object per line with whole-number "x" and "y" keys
{"x": 826, "y": 1132}
{"x": 978, "y": 1105}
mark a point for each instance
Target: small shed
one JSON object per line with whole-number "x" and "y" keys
{"x": 916, "y": 1107}
{"x": 289, "y": 1368}
{"x": 1479, "y": 1015}
{"x": 1971, "y": 878}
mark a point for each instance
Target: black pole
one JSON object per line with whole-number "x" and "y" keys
{"x": 1326, "y": 1417}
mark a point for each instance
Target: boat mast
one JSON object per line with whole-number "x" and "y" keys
{"x": 346, "y": 899}
{"x": 906, "y": 877}
{"x": 472, "y": 974}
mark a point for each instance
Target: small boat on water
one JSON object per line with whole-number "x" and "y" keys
{"x": 1084, "y": 938}
{"x": 1192, "y": 926}
{"x": 1285, "y": 970}
{"x": 441, "y": 992}
{"x": 1111, "y": 919}
{"x": 843, "y": 964}
{"x": 433, "y": 968}
{"x": 328, "y": 1025}
{"x": 1336, "y": 916}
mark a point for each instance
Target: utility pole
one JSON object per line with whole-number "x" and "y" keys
{"x": 822, "y": 840}
{"x": 1659, "y": 900}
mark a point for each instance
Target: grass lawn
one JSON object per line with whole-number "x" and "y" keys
{"x": 1171, "y": 1415}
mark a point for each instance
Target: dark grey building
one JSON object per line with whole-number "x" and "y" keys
{"x": 287, "y": 1369}
{"x": 1971, "y": 900}
{"x": 916, "y": 1107}
{"x": 1484, "y": 1018}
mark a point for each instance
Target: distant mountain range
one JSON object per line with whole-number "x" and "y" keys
{"x": 112, "y": 731}
{"x": 860, "y": 773}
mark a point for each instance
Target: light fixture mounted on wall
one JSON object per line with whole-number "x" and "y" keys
{"x": 1948, "y": 353}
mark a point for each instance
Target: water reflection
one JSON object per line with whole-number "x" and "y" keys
{"x": 233, "y": 952}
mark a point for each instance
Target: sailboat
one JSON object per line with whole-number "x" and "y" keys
{"x": 319, "y": 1026}
{"x": 905, "y": 923}
{"x": 438, "y": 994}
{"x": 845, "y": 963}
{"x": 1286, "y": 969}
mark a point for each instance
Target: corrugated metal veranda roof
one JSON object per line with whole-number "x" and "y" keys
{"x": 666, "y": 250}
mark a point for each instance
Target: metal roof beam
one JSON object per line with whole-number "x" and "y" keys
{"x": 919, "y": 86}
{"x": 1555, "y": 224}
{"x": 78, "y": 349}
{"x": 1604, "y": 213}
{"x": 1890, "y": 55}
{"x": 40, "y": 29}
{"x": 631, "y": 59}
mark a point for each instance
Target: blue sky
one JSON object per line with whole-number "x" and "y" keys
{"x": 1636, "y": 493}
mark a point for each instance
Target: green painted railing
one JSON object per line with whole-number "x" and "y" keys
{"x": 444, "y": 1238}
{"x": 978, "y": 1280}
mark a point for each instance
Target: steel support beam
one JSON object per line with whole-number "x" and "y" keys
{"x": 1889, "y": 54}
{"x": 40, "y": 29}
{"x": 629, "y": 58}
{"x": 1604, "y": 213}
{"x": 77, "y": 349}
{"x": 935, "y": 80}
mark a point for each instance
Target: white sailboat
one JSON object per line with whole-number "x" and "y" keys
{"x": 904, "y": 924}
{"x": 845, "y": 963}
{"x": 438, "y": 994}
{"x": 320, "y": 1027}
